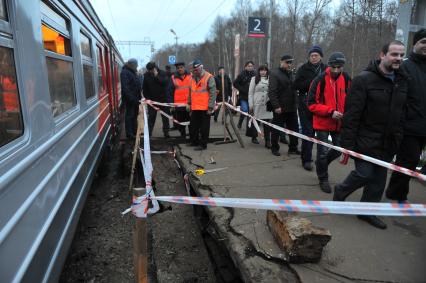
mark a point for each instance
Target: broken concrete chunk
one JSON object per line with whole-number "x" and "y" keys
{"x": 302, "y": 241}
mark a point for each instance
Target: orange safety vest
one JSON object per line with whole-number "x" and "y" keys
{"x": 10, "y": 94}
{"x": 181, "y": 88}
{"x": 200, "y": 93}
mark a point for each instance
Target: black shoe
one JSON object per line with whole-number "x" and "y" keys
{"x": 198, "y": 148}
{"x": 254, "y": 140}
{"x": 215, "y": 120}
{"x": 373, "y": 221}
{"x": 338, "y": 196}
{"x": 307, "y": 166}
{"x": 325, "y": 186}
{"x": 276, "y": 153}
{"x": 166, "y": 135}
{"x": 193, "y": 144}
{"x": 239, "y": 125}
{"x": 294, "y": 151}
{"x": 268, "y": 144}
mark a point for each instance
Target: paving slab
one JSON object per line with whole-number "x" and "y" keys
{"x": 356, "y": 252}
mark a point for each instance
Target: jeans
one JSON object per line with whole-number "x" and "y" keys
{"x": 408, "y": 156}
{"x": 368, "y": 175}
{"x": 290, "y": 119}
{"x": 305, "y": 117}
{"x": 325, "y": 155}
{"x": 245, "y": 108}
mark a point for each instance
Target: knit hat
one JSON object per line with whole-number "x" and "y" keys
{"x": 419, "y": 35}
{"x": 287, "y": 58}
{"x": 337, "y": 58}
{"x": 180, "y": 64}
{"x": 133, "y": 61}
{"x": 197, "y": 63}
{"x": 316, "y": 49}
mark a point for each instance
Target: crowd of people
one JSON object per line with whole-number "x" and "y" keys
{"x": 380, "y": 113}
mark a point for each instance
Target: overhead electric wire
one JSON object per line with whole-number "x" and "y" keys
{"x": 176, "y": 19}
{"x": 205, "y": 19}
{"x": 113, "y": 21}
{"x": 157, "y": 17}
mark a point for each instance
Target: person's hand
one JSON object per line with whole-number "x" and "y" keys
{"x": 251, "y": 111}
{"x": 278, "y": 110}
{"x": 155, "y": 72}
{"x": 337, "y": 115}
{"x": 209, "y": 112}
{"x": 188, "y": 108}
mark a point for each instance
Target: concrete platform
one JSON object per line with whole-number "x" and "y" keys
{"x": 356, "y": 252}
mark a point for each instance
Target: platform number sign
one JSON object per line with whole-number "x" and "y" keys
{"x": 172, "y": 59}
{"x": 256, "y": 27}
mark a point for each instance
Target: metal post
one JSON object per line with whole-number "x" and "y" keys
{"x": 268, "y": 55}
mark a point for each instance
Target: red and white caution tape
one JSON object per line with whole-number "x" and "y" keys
{"x": 315, "y": 206}
{"x": 163, "y": 103}
{"x": 338, "y": 148}
{"x": 150, "y": 103}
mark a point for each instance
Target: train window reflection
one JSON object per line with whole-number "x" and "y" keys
{"x": 11, "y": 126}
{"x": 85, "y": 45}
{"x": 88, "y": 81}
{"x": 61, "y": 85}
{"x": 3, "y": 13}
{"x": 55, "y": 42}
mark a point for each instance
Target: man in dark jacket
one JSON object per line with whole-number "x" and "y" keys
{"x": 415, "y": 120}
{"x": 242, "y": 83}
{"x": 228, "y": 88}
{"x": 282, "y": 95}
{"x": 372, "y": 125}
{"x": 304, "y": 76}
{"x": 327, "y": 103}
{"x": 155, "y": 88}
{"x": 131, "y": 92}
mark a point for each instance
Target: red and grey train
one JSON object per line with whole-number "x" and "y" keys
{"x": 59, "y": 108}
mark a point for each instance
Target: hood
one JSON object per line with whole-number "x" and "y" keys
{"x": 373, "y": 67}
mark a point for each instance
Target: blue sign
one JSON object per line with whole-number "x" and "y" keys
{"x": 172, "y": 59}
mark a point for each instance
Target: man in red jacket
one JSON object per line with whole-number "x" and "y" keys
{"x": 327, "y": 103}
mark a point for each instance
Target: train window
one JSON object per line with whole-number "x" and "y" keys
{"x": 61, "y": 85}
{"x": 88, "y": 80}
{"x": 101, "y": 83}
{"x": 55, "y": 42}
{"x": 54, "y": 19}
{"x": 11, "y": 126}
{"x": 85, "y": 45}
{"x": 3, "y": 13}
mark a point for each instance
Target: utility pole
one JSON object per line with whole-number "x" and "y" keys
{"x": 268, "y": 56}
{"x": 176, "y": 38}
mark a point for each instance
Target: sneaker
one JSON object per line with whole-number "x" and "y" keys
{"x": 325, "y": 186}
{"x": 294, "y": 151}
{"x": 373, "y": 221}
{"x": 308, "y": 166}
{"x": 254, "y": 140}
{"x": 276, "y": 153}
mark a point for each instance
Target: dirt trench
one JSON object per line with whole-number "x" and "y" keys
{"x": 181, "y": 248}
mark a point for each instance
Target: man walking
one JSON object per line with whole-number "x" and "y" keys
{"x": 201, "y": 102}
{"x": 327, "y": 103}
{"x": 283, "y": 99}
{"x": 131, "y": 92}
{"x": 415, "y": 120}
{"x": 181, "y": 83}
{"x": 304, "y": 76}
{"x": 155, "y": 88}
{"x": 372, "y": 125}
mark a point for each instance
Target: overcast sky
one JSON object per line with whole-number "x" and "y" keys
{"x": 138, "y": 20}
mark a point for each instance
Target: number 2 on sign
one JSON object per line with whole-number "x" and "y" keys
{"x": 256, "y": 28}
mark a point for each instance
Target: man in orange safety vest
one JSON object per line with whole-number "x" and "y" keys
{"x": 181, "y": 83}
{"x": 201, "y": 102}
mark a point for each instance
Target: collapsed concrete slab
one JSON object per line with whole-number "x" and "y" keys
{"x": 302, "y": 241}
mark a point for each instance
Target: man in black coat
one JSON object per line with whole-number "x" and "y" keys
{"x": 228, "y": 88}
{"x": 131, "y": 93}
{"x": 372, "y": 125}
{"x": 282, "y": 95}
{"x": 242, "y": 83}
{"x": 155, "y": 85}
{"x": 304, "y": 77}
{"x": 415, "y": 120}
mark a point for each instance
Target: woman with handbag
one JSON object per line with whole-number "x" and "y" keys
{"x": 258, "y": 101}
